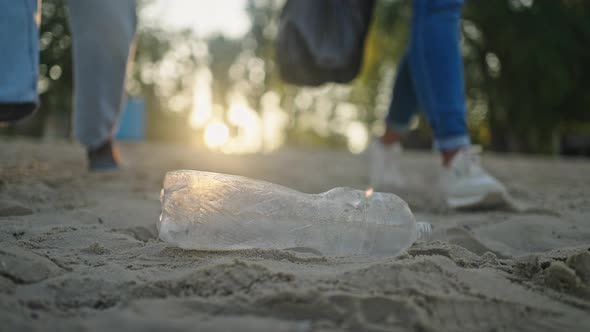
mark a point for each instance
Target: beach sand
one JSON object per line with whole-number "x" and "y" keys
{"x": 79, "y": 251}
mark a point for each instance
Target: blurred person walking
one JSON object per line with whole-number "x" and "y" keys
{"x": 430, "y": 78}
{"x": 103, "y": 33}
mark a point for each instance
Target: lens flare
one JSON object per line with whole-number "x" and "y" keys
{"x": 202, "y": 99}
{"x": 216, "y": 134}
{"x": 239, "y": 129}
{"x": 357, "y": 136}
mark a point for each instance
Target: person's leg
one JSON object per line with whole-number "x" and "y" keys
{"x": 403, "y": 107}
{"x": 19, "y": 59}
{"x": 437, "y": 70}
{"x": 385, "y": 153}
{"x": 103, "y": 33}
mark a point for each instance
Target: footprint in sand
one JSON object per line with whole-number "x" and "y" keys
{"x": 10, "y": 208}
{"x": 466, "y": 239}
{"x": 25, "y": 267}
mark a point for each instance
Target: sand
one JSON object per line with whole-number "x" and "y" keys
{"x": 79, "y": 251}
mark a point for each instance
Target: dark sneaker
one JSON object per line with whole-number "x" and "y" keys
{"x": 103, "y": 158}
{"x": 13, "y": 112}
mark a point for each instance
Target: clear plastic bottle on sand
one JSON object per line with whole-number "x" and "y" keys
{"x": 211, "y": 211}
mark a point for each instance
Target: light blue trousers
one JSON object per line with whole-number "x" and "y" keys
{"x": 102, "y": 34}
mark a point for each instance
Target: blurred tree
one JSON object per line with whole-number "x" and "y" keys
{"x": 527, "y": 68}
{"x": 223, "y": 52}
{"x": 162, "y": 74}
{"x": 55, "y": 45}
{"x": 530, "y": 62}
{"x": 55, "y": 69}
{"x": 258, "y": 49}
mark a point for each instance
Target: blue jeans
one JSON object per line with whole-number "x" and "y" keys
{"x": 102, "y": 36}
{"x": 19, "y": 51}
{"x": 430, "y": 75}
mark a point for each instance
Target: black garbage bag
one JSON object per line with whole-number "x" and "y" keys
{"x": 322, "y": 41}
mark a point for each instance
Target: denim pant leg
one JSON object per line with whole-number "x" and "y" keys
{"x": 103, "y": 33}
{"x": 437, "y": 70}
{"x": 19, "y": 51}
{"x": 404, "y": 103}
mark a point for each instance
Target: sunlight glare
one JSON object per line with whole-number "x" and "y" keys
{"x": 216, "y": 134}
{"x": 248, "y": 124}
{"x": 241, "y": 116}
{"x": 274, "y": 121}
{"x": 200, "y": 17}
{"x": 357, "y": 136}
{"x": 202, "y": 99}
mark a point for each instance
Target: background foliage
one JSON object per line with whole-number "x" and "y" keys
{"x": 527, "y": 67}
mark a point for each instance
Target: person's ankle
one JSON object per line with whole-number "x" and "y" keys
{"x": 14, "y": 112}
{"x": 390, "y": 137}
{"x": 448, "y": 156}
{"x": 103, "y": 157}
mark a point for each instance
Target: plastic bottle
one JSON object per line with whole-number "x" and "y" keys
{"x": 211, "y": 211}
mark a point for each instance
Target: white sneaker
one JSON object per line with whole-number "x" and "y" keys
{"x": 466, "y": 184}
{"x": 385, "y": 170}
